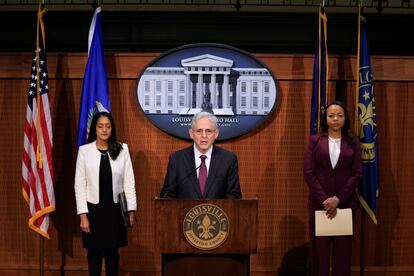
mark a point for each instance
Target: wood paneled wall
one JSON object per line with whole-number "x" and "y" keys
{"x": 270, "y": 164}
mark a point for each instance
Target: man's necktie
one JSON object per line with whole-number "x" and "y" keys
{"x": 202, "y": 174}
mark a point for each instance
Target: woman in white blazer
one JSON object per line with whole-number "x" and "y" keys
{"x": 103, "y": 171}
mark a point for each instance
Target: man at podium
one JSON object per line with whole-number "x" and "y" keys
{"x": 203, "y": 170}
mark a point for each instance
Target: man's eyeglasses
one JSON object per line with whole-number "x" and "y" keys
{"x": 208, "y": 132}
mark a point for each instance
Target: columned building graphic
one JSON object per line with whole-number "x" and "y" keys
{"x": 206, "y": 82}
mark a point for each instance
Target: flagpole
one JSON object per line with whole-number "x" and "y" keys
{"x": 362, "y": 256}
{"x": 357, "y": 132}
{"x": 319, "y": 66}
{"x": 39, "y": 153}
{"x": 357, "y": 128}
{"x": 42, "y": 255}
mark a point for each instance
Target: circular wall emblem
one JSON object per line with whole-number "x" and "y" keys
{"x": 228, "y": 82}
{"x": 206, "y": 226}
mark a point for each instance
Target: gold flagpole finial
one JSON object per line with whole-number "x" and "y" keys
{"x": 41, "y": 10}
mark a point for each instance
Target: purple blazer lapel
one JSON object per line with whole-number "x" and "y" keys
{"x": 341, "y": 154}
{"x": 324, "y": 143}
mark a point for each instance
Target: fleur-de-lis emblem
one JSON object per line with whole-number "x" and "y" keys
{"x": 205, "y": 227}
{"x": 366, "y": 116}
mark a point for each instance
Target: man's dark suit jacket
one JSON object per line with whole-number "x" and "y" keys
{"x": 181, "y": 179}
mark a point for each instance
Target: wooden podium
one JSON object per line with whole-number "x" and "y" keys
{"x": 181, "y": 223}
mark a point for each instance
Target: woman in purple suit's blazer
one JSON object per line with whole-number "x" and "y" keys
{"x": 332, "y": 170}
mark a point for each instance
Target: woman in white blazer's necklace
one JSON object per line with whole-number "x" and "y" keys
{"x": 103, "y": 171}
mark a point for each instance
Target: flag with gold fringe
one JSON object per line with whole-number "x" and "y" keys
{"x": 366, "y": 123}
{"x": 320, "y": 74}
{"x": 37, "y": 166}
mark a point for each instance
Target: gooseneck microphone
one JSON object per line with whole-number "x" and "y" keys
{"x": 190, "y": 173}
{"x": 166, "y": 195}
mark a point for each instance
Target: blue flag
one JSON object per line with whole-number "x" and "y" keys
{"x": 320, "y": 74}
{"x": 366, "y": 124}
{"x": 95, "y": 84}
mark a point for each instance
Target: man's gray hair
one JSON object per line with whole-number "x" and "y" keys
{"x": 204, "y": 114}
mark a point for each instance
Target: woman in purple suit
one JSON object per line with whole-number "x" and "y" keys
{"x": 332, "y": 170}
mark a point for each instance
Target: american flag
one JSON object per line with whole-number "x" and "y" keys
{"x": 37, "y": 169}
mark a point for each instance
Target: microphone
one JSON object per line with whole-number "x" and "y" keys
{"x": 166, "y": 195}
{"x": 190, "y": 173}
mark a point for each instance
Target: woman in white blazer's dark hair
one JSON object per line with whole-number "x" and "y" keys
{"x": 103, "y": 171}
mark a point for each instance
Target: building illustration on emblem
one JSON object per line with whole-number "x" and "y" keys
{"x": 206, "y": 83}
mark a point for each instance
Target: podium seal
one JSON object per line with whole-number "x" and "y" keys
{"x": 206, "y": 226}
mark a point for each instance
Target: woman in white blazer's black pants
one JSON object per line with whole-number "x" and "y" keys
{"x": 103, "y": 171}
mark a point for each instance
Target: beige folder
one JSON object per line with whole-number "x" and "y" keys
{"x": 340, "y": 225}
